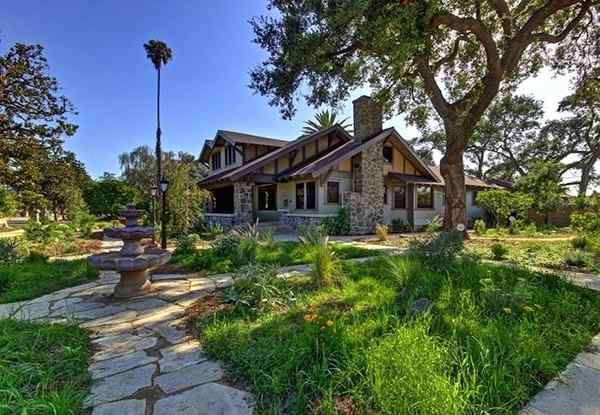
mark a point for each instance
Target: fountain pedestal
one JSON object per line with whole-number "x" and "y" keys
{"x": 133, "y": 261}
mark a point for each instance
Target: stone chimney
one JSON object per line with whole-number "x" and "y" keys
{"x": 368, "y": 118}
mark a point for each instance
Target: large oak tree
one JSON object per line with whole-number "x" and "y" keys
{"x": 446, "y": 58}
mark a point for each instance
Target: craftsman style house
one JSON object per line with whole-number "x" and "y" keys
{"x": 374, "y": 174}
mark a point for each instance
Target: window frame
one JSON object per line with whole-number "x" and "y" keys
{"x": 304, "y": 187}
{"x": 431, "y": 192}
{"x": 216, "y": 160}
{"x": 229, "y": 155}
{"x": 394, "y": 205}
{"x": 391, "y": 158}
{"x": 337, "y": 193}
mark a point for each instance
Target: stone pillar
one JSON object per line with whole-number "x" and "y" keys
{"x": 242, "y": 203}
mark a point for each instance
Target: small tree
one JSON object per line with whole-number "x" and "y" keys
{"x": 502, "y": 203}
{"x": 106, "y": 196}
{"x": 543, "y": 184}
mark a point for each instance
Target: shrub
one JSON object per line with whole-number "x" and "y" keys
{"x": 529, "y": 230}
{"x": 579, "y": 242}
{"x": 312, "y": 234}
{"x": 382, "y": 232}
{"x": 260, "y": 288}
{"x": 249, "y": 240}
{"x": 515, "y": 225}
{"x": 226, "y": 245}
{"x": 499, "y": 251}
{"x": 207, "y": 260}
{"x": 439, "y": 249}
{"x": 502, "y": 203}
{"x": 397, "y": 225}
{"x": 186, "y": 245}
{"x": 585, "y": 221}
{"x": 13, "y": 250}
{"x": 480, "y": 227}
{"x": 49, "y": 232}
{"x": 324, "y": 266}
{"x": 338, "y": 225}
{"x": 214, "y": 230}
{"x": 85, "y": 222}
{"x": 578, "y": 258}
{"x": 434, "y": 225}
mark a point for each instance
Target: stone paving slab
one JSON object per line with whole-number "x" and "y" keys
{"x": 126, "y": 407}
{"x": 208, "y": 399}
{"x": 120, "y": 386}
{"x": 189, "y": 376}
{"x": 109, "y": 367}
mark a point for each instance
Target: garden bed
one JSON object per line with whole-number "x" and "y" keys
{"x": 43, "y": 368}
{"x": 281, "y": 253}
{"x": 491, "y": 338}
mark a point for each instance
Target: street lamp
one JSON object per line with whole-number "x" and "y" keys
{"x": 153, "y": 193}
{"x": 164, "y": 186}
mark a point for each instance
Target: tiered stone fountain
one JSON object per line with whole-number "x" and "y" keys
{"x": 133, "y": 261}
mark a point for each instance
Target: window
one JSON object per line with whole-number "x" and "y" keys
{"x": 388, "y": 154}
{"x": 216, "y": 160}
{"x": 424, "y": 197}
{"x": 300, "y": 196}
{"x": 267, "y": 198}
{"x": 384, "y": 194}
{"x": 311, "y": 195}
{"x": 306, "y": 195}
{"x": 400, "y": 197}
{"x": 333, "y": 192}
{"x": 229, "y": 155}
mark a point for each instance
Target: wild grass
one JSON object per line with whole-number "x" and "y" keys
{"x": 492, "y": 337}
{"x": 43, "y": 368}
{"x": 37, "y": 276}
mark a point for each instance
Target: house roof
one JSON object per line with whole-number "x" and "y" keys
{"x": 411, "y": 178}
{"x": 233, "y": 137}
{"x": 469, "y": 180}
{"x": 259, "y": 162}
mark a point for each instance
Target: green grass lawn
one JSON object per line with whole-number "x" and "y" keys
{"x": 491, "y": 339}
{"x": 34, "y": 278}
{"x": 43, "y": 368}
{"x": 282, "y": 253}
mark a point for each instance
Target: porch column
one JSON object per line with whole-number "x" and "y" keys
{"x": 242, "y": 202}
{"x": 410, "y": 207}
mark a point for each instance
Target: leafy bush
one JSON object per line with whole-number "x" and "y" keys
{"x": 324, "y": 266}
{"x": 338, "y": 225}
{"x": 49, "y": 232}
{"x": 67, "y": 247}
{"x": 440, "y": 249}
{"x": 434, "y": 225}
{"x": 312, "y": 235}
{"x": 397, "y": 225}
{"x": 585, "y": 221}
{"x": 499, "y": 251}
{"x": 260, "y": 288}
{"x": 578, "y": 258}
{"x": 580, "y": 242}
{"x": 381, "y": 231}
{"x": 480, "y": 227}
{"x": 529, "y": 230}
{"x": 13, "y": 250}
{"x": 208, "y": 260}
{"x": 502, "y": 203}
{"x": 186, "y": 245}
{"x": 226, "y": 245}
{"x": 86, "y": 223}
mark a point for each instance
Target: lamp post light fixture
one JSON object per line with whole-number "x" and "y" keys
{"x": 153, "y": 194}
{"x": 164, "y": 187}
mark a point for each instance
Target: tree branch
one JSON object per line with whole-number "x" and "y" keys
{"x": 545, "y": 37}
{"x": 432, "y": 88}
{"x": 504, "y": 15}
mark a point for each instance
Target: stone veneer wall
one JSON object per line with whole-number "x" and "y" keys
{"x": 242, "y": 202}
{"x": 366, "y": 207}
{"x": 226, "y": 221}
{"x": 295, "y": 221}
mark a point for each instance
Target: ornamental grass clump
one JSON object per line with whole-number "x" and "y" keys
{"x": 324, "y": 265}
{"x": 261, "y": 288}
{"x": 382, "y": 232}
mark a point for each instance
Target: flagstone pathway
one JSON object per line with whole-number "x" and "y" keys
{"x": 144, "y": 362}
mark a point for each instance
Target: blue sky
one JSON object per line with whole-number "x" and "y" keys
{"x": 95, "y": 51}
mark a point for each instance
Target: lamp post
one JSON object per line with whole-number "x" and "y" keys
{"x": 164, "y": 186}
{"x": 153, "y": 193}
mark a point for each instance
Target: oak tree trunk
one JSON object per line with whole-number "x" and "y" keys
{"x": 452, "y": 170}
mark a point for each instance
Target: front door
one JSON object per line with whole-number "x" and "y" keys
{"x": 266, "y": 208}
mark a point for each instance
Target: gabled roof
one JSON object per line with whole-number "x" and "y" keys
{"x": 234, "y": 137}
{"x": 470, "y": 180}
{"x": 257, "y": 163}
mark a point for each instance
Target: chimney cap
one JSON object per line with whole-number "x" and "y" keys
{"x": 363, "y": 98}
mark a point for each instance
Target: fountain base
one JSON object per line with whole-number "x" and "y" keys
{"x": 132, "y": 284}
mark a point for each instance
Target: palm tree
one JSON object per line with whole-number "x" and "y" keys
{"x": 160, "y": 54}
{"x": 324, "y": 119}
